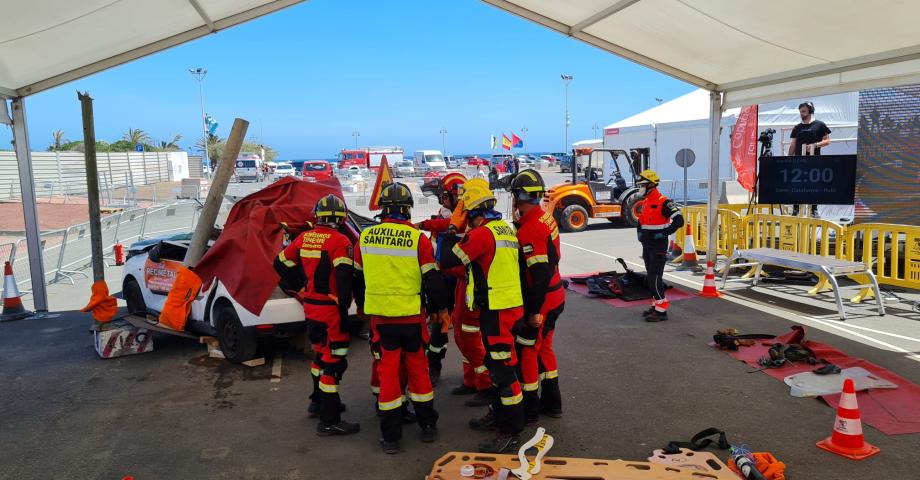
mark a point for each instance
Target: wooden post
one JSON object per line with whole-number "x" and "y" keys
{"x": 92, "y": 185}
{"x": 216, "y": 193}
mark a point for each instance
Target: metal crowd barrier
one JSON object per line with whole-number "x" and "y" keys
{"x": 66, "y": 252}
{"x": 797, "y": 234}
{"x": 731, "y": 229}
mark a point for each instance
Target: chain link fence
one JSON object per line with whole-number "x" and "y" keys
{"x": 67, "y": 252}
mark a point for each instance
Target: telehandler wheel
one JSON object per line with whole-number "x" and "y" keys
{"x": 574, "y": 218}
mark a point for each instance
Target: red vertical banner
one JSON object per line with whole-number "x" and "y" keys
{"x": 744, "y": 147}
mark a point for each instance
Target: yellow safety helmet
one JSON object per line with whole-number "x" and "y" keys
{"x": 648, "y": 176}
{"x": 476, "y": 193}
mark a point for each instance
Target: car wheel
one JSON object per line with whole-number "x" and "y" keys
{"x": 237, "y": 343}
{"x": 574, "y": 218}
{"x": 134, "y": 297}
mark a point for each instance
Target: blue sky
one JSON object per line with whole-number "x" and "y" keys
{"x": 396, "y": 71}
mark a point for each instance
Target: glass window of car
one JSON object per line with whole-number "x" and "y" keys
{"x": 314, "y": 167}
{"x": 247, "y": 163}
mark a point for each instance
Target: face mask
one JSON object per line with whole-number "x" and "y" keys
{"x": 642, "y": 191}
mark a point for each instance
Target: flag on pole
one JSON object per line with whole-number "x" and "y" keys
{"x": 506, "y": 142}
{"x": 494, "y": 143}
{"x": 516, "y": 141}
{"x": 384, "y": 178}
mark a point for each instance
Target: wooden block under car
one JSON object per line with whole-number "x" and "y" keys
{"x": 121, "y": 338}
{"x": 255, "y": 362}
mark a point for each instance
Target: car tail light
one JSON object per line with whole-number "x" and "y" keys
{"x": 265, "y": 328}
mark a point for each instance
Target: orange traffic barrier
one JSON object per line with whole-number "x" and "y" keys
{"x": 847, "y": 439}
{"x": 12, "y": 300}
{"x": 709, "y": 283}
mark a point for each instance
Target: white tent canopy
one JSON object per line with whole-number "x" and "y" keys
{"x": 751, "y": 52}
{"x": 44, "y": 43}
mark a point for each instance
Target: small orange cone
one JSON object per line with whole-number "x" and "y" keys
{"x": 12, "y": 300}
{"x": 689, "y": 260}
{"x": 674, "y": 250}
{"x": 847, "y": 439}
{"x": 709, "y": 283}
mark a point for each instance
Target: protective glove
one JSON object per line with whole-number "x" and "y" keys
{"x": 458, "y": 218}
{"x": 444, "y": 318}
{"x": 639, "y": 235}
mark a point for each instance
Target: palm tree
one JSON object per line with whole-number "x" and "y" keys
{"x": 171, "y": 145}
{"x": 58, "y": 136}
{"x": 215, "y": 147}
{"x": 136, "y": 136}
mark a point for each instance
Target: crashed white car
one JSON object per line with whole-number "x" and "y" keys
{"x": 150, "y": 270}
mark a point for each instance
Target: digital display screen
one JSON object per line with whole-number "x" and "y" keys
{"x": 814, "y": 180}
{"x": 888, "y": 145}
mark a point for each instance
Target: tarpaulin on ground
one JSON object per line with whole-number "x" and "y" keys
{"x": 891, "y": 411}
{"x": 242, "y": 257}
{"x": 673, "y": 294}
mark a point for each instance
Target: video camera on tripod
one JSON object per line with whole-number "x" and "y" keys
{"x": 766, "y": 142}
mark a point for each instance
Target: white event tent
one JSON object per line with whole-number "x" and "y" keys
{"x": 745, "y": 53}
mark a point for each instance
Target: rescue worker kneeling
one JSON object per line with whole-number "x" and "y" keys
{"x": 395, "y": 266}
{"x": 659, "y": 217}
{"x": 320, "y": 259}
{"x": 490, "y": 253}
{"x": 544, "y": 297}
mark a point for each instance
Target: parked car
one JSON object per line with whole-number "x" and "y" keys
{"x": 315, "y": 171}
{"x": 475, "y": 161}
{"x": 551, "y": 159}
{"x": 150, "y": 270}
{"x": 525, "y": 161}
{"x": 404, "y": 169}
{"x": 452, "y": 161}
{"x": 284, "y": 170}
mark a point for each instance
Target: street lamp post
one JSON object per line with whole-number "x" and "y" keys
{"x": 356, "y": 134}
{"x": 566, "y": 79}
{"x": 524, "y": 134}
{"x": 199, "y": 74}
{"x": 595, "y": 128}
{"x": 443, "y": 141}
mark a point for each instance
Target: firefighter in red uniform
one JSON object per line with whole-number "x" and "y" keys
{"x": 659, "y": 217}
{"x": 544, "y": 298}
{"x": 397, "y": 282}
{"x": 321, "y": 258}
{"x": 465, "y": 321}
{"x": 489, "y": 251}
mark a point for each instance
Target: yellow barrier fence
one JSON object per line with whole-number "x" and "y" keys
{"x": 731, "y": 229}
{"x": 892, "y": 251}
{"x": 797, "y": 234}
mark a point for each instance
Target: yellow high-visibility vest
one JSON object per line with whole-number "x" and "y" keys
{"x": 503, "y": 280}
{"x": 392, "y": 275}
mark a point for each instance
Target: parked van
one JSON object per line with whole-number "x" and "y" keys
{"x": 249, "y": 168}
{"x": 426, "y": 160}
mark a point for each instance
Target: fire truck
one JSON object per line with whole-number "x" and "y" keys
{"x": 369, "y": 157}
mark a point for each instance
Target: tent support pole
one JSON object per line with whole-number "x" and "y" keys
{"x": 29, "y": 206}
{"x": 715, "y": 126}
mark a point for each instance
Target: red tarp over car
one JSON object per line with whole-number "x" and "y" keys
{"x": 242, "y": 257}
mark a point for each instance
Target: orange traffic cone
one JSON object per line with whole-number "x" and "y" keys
{"x": 847, "y": 439}
{"x": 674, "y": 250}
{"x": 709, "y": 283}
{"x": 689, "y": 260}
{"x": 12, "y": 301}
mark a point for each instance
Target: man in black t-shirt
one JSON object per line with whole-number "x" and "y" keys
{"x": 812, "y": 135}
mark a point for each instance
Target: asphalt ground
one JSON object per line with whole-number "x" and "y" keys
{"x": 629, "y": 387}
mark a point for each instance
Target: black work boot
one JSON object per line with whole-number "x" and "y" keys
{"x": 313, "y": 409}
{"x": 389, "y": 448}
{"x": 484, "y": 424}
{"x": 481, "y": 399}
{"x": 408, "y": 416}
{"x": 656, "y": 316}
{"x": 504, "y": 443}
{"x": 462, "y": 390}
{"x": 648, "y": 312}
{"x": 341, "y": 428}
{"x": 434, "y": 373}
{"x": 429, "y": 434}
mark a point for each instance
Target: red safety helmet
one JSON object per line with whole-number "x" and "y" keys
{"x": 452, "y": 182}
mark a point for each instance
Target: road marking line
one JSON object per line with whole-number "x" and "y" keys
{"x": 740, "y": 301}
{"x": 276, "y": 369}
